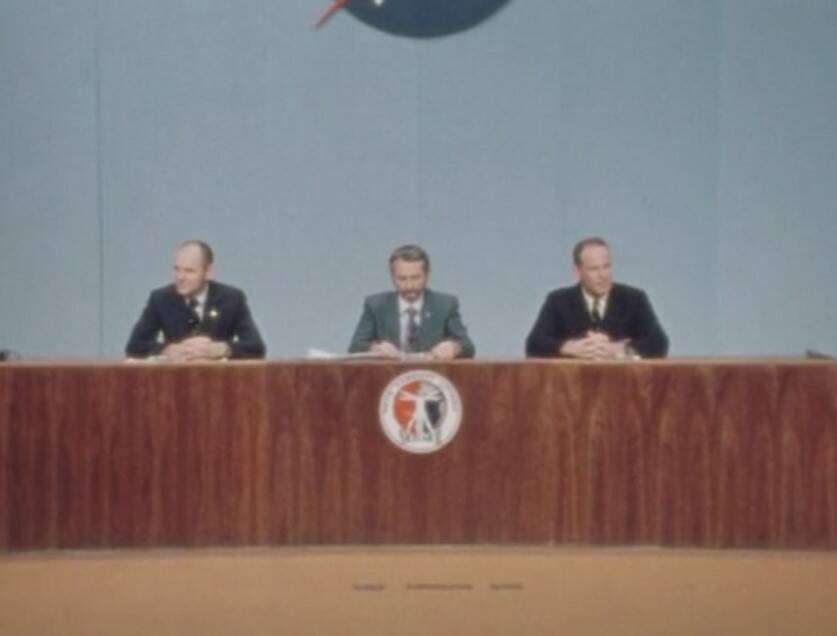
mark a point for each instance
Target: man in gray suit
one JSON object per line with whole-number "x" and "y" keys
{"x": 413, "y": 318}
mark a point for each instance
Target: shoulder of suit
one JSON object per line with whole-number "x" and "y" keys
{"x": 222, "y": 289}
{"x": 562, "y": 293}
{"x": 440, "y": 298}
{"x": 163, "y": 293}
{"x": 627, "y": 291}
{"x": 376, "y": 300}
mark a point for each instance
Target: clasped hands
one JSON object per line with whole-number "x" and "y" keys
{"x": 445, "y": 350}
{"x": 196, "y": 348}
{"x": 595, "y": 345}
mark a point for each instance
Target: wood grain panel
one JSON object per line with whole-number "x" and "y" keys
{"x": 5, "y": 455}
{"x": 676, "y": 453}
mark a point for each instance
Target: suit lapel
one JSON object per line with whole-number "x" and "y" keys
{"x": 582, "y": 315}
{"x": 211, "y": 309}
{"x": 392, "y": 320}
{"x": 428, "y": 314}
{"x": 612, "y": 311}
{"x": 180, "y": 311}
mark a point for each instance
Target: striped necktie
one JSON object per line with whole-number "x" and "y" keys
{"x": 194, "y": 316}
{"x": 596, "y": 314}
{"x": 412, "y": 329}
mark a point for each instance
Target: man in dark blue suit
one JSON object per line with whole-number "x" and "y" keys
{"x": 596, "y": 319}
{"x": 195, "y": 318}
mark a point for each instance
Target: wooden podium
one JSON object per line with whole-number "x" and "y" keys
{"x": 703, "y": 453}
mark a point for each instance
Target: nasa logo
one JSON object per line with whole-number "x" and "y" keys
{"x": 420, "y": 411}
{"x": 416, "y": 18}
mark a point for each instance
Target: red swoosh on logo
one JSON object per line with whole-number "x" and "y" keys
{"x": 335, "y": 6}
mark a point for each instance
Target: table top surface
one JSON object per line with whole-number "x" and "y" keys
{"x": 352, "y": 361}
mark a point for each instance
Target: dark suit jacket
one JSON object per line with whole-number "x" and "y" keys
{"x": 629, "y": 315}
{"x": 440, "y": 321}
{"x": 226, "y": 317}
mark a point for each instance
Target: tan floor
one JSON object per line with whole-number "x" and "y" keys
{"x": 573, "y": 592}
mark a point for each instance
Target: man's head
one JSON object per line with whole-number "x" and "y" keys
{"x": 591, "y": 257}
{"x": 192, "y": 267}
{"x": 409, "y": 267}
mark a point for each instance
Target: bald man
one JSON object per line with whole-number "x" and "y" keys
{"x": 597, "y": 319}
{"x": 195, "y": 318}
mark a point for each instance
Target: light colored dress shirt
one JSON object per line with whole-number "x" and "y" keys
{"x": 200, "y": 308}
{"x": 589, "y": 299}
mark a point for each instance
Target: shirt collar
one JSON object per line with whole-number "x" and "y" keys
{"x": 589, "y": 299}
{"x": 403, "y": 305}
{"x": 200, "y": 298}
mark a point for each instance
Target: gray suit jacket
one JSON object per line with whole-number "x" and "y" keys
{"x": 440, "y": 321}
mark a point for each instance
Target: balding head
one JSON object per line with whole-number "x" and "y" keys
{"x": 192, "y": 268}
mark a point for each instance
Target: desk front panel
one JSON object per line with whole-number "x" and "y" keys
{"x": 674, "y": 453}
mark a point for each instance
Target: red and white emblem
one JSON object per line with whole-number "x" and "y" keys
{"x": 420, "y": 411}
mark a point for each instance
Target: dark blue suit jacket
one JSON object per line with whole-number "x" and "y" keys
{"x": 629, "y": 315}
{"x": 226, "y": 317}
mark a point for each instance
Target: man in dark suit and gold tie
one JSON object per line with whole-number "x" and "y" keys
{"x": 195, "y": 318}
{"x": 597, "y": 318}
{"x": 413, "y": 318}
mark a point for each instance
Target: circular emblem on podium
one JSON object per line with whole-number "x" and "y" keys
{"x": 420, "y": 411}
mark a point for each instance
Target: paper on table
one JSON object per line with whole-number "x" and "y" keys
{"x": 320, "y": 354}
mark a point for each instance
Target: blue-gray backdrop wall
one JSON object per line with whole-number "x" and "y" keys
{"x": 699, "y": 136}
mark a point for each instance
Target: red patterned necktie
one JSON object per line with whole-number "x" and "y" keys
{"x": 412, "y": 329}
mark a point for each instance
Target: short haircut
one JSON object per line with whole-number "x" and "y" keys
{"x": 588, "y": 242}
{"x": 412, "y": 254}
{"x": 206, "y": 251}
